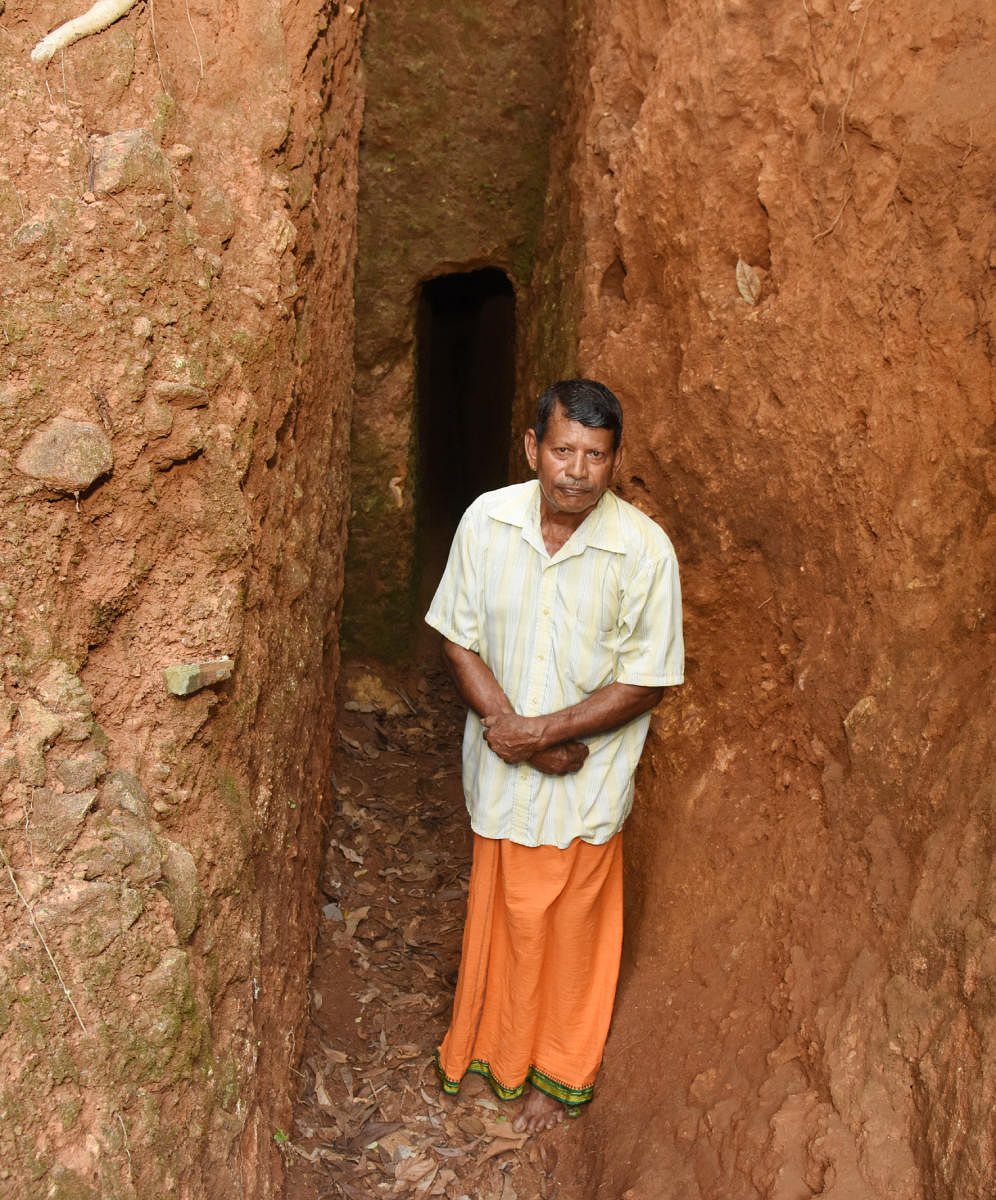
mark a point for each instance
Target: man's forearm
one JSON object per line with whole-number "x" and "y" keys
{"x": 516, "y": 739}
{"x": 475, "y": 681}
{"x": 481, "y": 692}
{"x": 610, "y": 707}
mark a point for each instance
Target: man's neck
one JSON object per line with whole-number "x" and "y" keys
{"x": 557, "y": 527}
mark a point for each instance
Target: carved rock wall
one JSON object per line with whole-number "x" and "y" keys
{"x": 807, "y": 1007}
{"x": 177, "y": 199}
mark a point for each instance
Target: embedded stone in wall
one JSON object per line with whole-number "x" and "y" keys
{"x": 127, "y": 158}
{"x": 122, "y": 790}
{"x": 88, "y": 915}
{"x": 183, "y": 888}
{"x": 32, "y": 235}
{"x": 215, "y": 216}
{"x": 80, "y": 774}
{"x": 126, "y": 846}
{"x": 37, "y": 729}
{"x": 183, "y": 395}
{"x": 67, "y": 455}
{"x": 58, "y": 817}
{"x": 186, "y": 441}
{"x": 184, "y": 679}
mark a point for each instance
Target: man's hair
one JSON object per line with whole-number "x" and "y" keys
{"x": 583, "y": 400}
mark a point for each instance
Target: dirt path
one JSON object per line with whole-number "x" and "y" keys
{"x": 370, "y": 1120}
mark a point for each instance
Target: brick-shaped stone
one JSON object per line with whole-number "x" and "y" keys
{"x": 184, "y": 679}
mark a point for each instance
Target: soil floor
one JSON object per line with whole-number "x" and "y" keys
{"x": 370, "y": 1119}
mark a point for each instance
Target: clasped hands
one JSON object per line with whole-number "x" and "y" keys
{"x": 518, "y": 739}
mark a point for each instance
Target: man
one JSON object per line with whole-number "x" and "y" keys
{"x": 561, "y": 618}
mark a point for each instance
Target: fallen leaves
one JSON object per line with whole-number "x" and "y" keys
{"x": 748, "y": 282}
{"x": 372, "y": 1120}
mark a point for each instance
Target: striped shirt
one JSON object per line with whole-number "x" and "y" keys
{"x": 606, "y": 608}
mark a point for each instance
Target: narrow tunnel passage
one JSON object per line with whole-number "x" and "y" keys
{"x": 465, "y": 382}
{"x": 370, "y": 1115}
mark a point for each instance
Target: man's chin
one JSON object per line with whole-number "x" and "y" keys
{"x": 577, "y": 504}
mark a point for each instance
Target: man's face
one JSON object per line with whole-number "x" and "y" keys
{"x": 574, "y": 464}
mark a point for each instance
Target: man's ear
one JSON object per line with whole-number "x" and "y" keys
{"x": 617, "y": 464}
{"x": 532, "y": 449}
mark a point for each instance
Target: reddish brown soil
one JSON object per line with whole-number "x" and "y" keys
{"x": 164, "y": 302}
{"x": 812, "y": 938}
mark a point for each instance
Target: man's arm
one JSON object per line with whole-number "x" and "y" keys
{"x": 480, "y": 691}
{"x": 475, "y": 681}
{"x": 517, "y": 739}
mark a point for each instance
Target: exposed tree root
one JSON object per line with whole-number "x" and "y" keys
{"x": 102, "y": 14}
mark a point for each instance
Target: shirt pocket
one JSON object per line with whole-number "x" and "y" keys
{"x": 594, "y": 603}
{"x": 588, "y": 636}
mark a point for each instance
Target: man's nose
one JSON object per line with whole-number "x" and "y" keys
{"x": 577, "y": 467}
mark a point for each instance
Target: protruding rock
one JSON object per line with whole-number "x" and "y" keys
{"x": 186, "y": 678}
{"x": 89, "y": 916}
{"x": 126, "y": 845}
{"x": 61, "y": 690}
{"x": 128, "y": 158}
{"x": 58, "y": 817}
{"x": 183, "y": 888}
{"x": 122, "y": 790}
{"x": 183, "y": 395}
{"x": 215, "y": 216}
{"x": 80, "y": 774}
{"x": 67, "y": 455}
{"x": 32, "y": 235}
{"x": 37, "y": 729}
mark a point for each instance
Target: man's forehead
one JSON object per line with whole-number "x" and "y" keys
{"x": 561, "y": 426}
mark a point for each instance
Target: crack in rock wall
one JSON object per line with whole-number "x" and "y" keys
{"x": 807, "y": 1004}
{"x": 177, "y": 197}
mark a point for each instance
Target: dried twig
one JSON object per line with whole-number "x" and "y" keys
{"x": 124, "y": 1132}
{"x": 842, "y": 122}
{"x": 41, "y": 937}
{"x": 197, "y": 44}
{"x": 833, "y": 224}
{"x": 155, "y": 44}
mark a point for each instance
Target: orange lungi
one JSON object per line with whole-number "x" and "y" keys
{"x": 539, "y": 968}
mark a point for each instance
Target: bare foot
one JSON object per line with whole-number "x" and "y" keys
{"x": 539, "y": 1112}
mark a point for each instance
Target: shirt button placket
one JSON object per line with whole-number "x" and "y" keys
{"x": 526, "y": 784}
{"x": 538, "y": 699}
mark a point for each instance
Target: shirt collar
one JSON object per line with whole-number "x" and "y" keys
{"x": 601, "y": 528}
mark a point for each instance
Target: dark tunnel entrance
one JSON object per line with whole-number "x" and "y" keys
{"x": 465, "y": 384}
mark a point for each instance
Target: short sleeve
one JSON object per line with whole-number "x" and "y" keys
{"x": 454, "y": 610}
{"x": 651, "y": 649}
